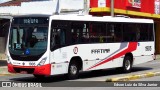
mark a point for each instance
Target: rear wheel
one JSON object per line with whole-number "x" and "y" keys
{"x": 127, "y": 64}
{"x": 73, "y": 70}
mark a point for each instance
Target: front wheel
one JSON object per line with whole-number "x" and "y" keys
{"x": 73, "y": 70}
{"x": 127, "y": 64}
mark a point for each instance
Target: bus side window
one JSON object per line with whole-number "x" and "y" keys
{"x": 150, "y": 32}
{"x": 52, "y": 38}
{"x": 118, "y": 32}
{"x": 129, "y": 33}
{"x": 58, "y": 34}
{"x": 77, "y": 32}
{"x": 144, "y": 32}
{"x": 57, "y": 37}
{"x": 137, "y": 33}
{"x": 85, "y": 34}
{"x": 62, "y": 37}
{"x": 73, "y": 36}
{"x": 97, "y": 32}
{"x": 110, "y": 33}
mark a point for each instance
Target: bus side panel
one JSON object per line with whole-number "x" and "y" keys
{"x": 114, "y": 57}
{"x": 95, "y": 58}
{"x": 60, "y": 68}
{"x": 112, "y": 64}
{"x": 96, "y": 53}
{"x": 98, "y": 56}
{"x": 106, "y": 55}
{"x": 58, "y": 60}
{"x": 144, "y": 52}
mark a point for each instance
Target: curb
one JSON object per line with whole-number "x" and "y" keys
{"x": 7, "y": 74}
{"x": 133, "y": 77}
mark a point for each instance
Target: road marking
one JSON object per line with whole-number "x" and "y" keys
{"x": 133, "y": 77}
{"x": 7, "y": 74}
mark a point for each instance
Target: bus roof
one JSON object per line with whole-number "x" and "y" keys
{"x": 32, "y": 15}
{"x": 5, "y": 17}
{"x": 100, "y": 19}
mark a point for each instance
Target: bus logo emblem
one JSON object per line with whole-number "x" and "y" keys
{"x": 23, "y": 63}
{"x": 27, "y": 52}
{"x": 75, "y": 50}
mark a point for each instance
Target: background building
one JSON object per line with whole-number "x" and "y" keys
{"x": 134, "y": 8}
{"x": 22, "y": 7}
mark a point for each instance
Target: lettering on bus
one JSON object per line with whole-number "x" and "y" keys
{"x": 148, "y": 48}
{"x": 32, "y": 64}
{"x": 99, "y": 51}
{"x": 30, "y": 21}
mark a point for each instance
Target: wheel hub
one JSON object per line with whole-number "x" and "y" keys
{"x": 73, "y": 70}
{"x": 127, "y": 65}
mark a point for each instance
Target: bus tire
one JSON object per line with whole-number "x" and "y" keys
{"x": 127, "y": 64}
{"x": 73, "y": 70}
{"x": 38, "y": 76}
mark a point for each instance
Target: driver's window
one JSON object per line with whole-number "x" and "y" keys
{"x": 58, "y": 34}
{"x": 52, "y": 38}
{"x": 55, "y": 38}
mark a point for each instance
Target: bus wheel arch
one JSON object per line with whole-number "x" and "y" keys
{"x": 75, "y": 66}
{"x": 127, "y": 63}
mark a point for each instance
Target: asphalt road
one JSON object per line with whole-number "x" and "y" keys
{"x": 88, "y": 80}
{"x": 149, "y": 80}
{"x": 100, "y": 75}
{"x": 156, "y": 78}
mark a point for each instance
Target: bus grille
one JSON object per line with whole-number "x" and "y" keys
{"x": 28, "y": 70}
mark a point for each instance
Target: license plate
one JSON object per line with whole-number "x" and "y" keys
{"x": 23, "y": 72}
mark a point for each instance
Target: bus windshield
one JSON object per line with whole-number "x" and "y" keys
{"x": 28, "y": 39}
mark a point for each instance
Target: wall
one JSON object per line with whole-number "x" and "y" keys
{"x": 4, "y": 28}
{"x": 157, "y": 32}
{"x": 2, "y": 48}
{"x": 2, "y": 44}
{"x": 147, "y": 6}
{"x": 42, "y": 7}
{"x": 145, "y": 10}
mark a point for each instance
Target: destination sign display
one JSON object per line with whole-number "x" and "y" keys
{"x": 31, "y": 20}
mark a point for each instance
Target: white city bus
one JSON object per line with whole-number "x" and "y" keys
{"x": 67, "y": 44}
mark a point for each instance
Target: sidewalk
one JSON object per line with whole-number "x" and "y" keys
{"x": 3, "y": 68}
{"x": 3, "y": 63}
{"x": 158, "y": 57}
{"x": 4, "y": 71}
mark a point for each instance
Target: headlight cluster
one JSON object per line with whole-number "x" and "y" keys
{"x": 42, "y": 61}
{"x": 8, "y": 59}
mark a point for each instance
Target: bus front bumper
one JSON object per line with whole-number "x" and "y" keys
{"x": 37, "y": 70}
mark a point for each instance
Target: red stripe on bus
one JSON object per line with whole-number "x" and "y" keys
{"x": 131, "y": 47}
{"x": 38, "y": 70}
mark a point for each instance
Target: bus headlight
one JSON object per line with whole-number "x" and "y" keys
{"x": 42, "y": 61}
{"x": 8, "y": 59}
